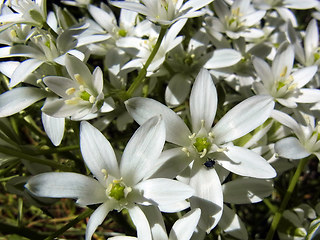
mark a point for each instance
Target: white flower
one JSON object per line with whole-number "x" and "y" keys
{"x": 164, "y": 12}
{"x": 282, "y": 83}
{"x": 116, "y": 186}
{"x": 306, "y": 141}
{"x": 206, "y": 142}
{"x": 238, "y": 21}
{"x": 81, "y": 95}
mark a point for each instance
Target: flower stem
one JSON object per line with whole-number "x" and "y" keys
{"x": 82, "y": 216}
{"x": 287, "y": 196}
{"x": 15, "y": 153}
{"x": 138, "y": 80}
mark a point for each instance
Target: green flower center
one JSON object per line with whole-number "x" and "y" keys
{"x": 117, "y": 191}
{"x": 85, "y": 96}
{"x": 201, "y": 143}
{"x": 122, "y": 33}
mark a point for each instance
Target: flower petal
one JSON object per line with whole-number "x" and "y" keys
{"x": 246, "y": 190}
{"x": 17, "y": 99}
{"x": 142, "y": 150}
{"x": 290, "y": 148}
{"x": 97, "y": 218}
{"x": 97, "y": 152}
{"x": 156, "y": 190}
{"x": 54, "y": 128}
{"x": 178, "y": 89}
{"x": 141, "y": 109}
{"x": 184, "y": 227}
{"x": 302, "y": 76}
{"x": 203, "y": 101}
{"x": 67, "y": 185}
{"x": 232, "y": 224}
{"x": 208, "y": 197}
{"x": 141, "y": 223}
{"x": 307, "y": 95}
{"x": 243, "y": 118}
{"x": 245, "y": 162}
{"x": 223, "y": 58}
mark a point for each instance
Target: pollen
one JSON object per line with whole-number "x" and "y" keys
{"x": 70, "y": 91}
{"x": 79, "y": 79}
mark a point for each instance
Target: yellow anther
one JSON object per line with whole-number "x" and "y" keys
{"x": 81, "y": 88}
{"x": 39, "y": 81}
{"x": 192, "y": 136}
{"x": 115, "y": 181}
{"x": 79, "y": 79}
{"x": 105, "y": 173}
{"x": 72, "y": 101}
{"x": 210, "y": 134}
{"x": 92, "y": 99}
{"x": 222, "y": 149}
{"x": 284, "y": 71}
{"x": 13, "y": 33}
{"x": 70, "y": 91}
{"x": 292, "y": 87}
{"x": 204, "y": 152}
{"x": 186, "y": 151}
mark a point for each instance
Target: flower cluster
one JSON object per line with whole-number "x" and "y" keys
{"x": 165, "y": 114}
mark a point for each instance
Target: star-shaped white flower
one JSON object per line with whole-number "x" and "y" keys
{"x": 205, "y": 142}
{"x": 116, "y": 186}
{"x": 165, "y": 12}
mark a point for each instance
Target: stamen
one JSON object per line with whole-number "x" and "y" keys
{"x": 184, "y": 149}
{"x": 92, "y": 99}
{"x": 192, "y": 136}
{"x": 222, "y": 149}
{"x": 70, "y": 91}
{"x": 72, "y": 101}
{"x": 104, "y": 171}
{"x": 203, "y": 153}
{"x": 284, "y": 71}
{"x": 79, "y": 79}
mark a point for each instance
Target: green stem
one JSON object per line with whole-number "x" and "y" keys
{"x": 138, "y": 80}
{"x": 52, "y": 150}
{"x": 287, "y": 196}
{"x": 82, "y": 216}
{"x": 15, "y": 153}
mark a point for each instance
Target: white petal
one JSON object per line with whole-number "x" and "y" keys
{"x": 142, "y": 150}
{"x": 56, "y": 107}
{"x": 311, "y": 39}
{"x": 291, "y": 148}
{"x": 24, "y": 70}
{"x": 97, "y": 79}
{"x": 283, "y": 61}
{"x": 306, "y": 95}
{"x": 184, "y": 227}
{"x": 141, "y": 222}
{"x": 8, "y": 68}
{"x": 17, "y": 99}
{"x": 97, "y": 218}
{"x": 245, "y": 162}
{"x": 156, "y": 190}
{"x": 195, "y": 4}
{"x": 287, "y": 121}
{"x": 223, "y": 58}
{"x": 156, "y": 222}
{"x": 170, "y": 163}
{"x": 263, "y": 71}
{"x": 232, "y": 224}
{"x": 67, "y": 185}
{"x": 54, "y": 128}
{"x": 136, "y": 7}
{"x": 59, "y": 85}
{"x": 243, "y": 118}
{"x": 123, "y": 238}
{"x": 203, "y": 101}
{"x": 141, "y": 109}
{"x": 302, "y": 76}
{"x": 178, "y": 89}
{"x": 246, "y": 190}
{"x": 105, "y": 18}
{"x": 208, "y": 197}
{"x": 97, "y": 152}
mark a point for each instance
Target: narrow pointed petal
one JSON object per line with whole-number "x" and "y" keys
{"x": 17, "y": 99}
{"x": 223, "y": 58}
{"x": 311, "y": 39}
{"x": 178, "y": 90}
{"x": 136, "y": 7}
{"x": 156, "y": 221}
{"x": 302, "y": 76}
{"x": 195, "y": 4}
{"x": 123, "y": 238}
{"x": 203, "y": 101}
{"x": 157, "y": 191}
{"x": 143, "y": 150}
{"x": 24, "y": 70}
{"x": 141, "y": 223}
{"x": 291, "y": 148}
{"x": 67, "y": 185}
{"x": 184, "y": 227}
{"x": 54, "y": 127}
{"x": 263, "y": 71}
{"x": 59, "y": 85}
{"x": 246, "y": 190}
{"x": 283, "y": 61}
{"x": 232, "y": 224}
{"x": 245, "y": 162}
{"x": 308, "y": 95}
{"x": 170, "y": 163}
{"x": 141, "y": 109}
{"x": 208, "y": 197}
{"x": 97, "y": 152}
{"x": 97, "y": 218}
{"x": 243, "y": 118}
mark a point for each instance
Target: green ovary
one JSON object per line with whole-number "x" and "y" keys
{"x": 85, "y": 96}
{"x": 201, "y": 144}
{"x": 117, "y": 191}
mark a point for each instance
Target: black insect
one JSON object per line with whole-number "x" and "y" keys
{"x": 210, "y": 163}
